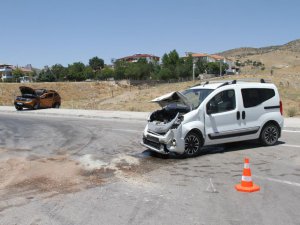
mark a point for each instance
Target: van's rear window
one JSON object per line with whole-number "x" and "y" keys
{"x": 255, "y": 96}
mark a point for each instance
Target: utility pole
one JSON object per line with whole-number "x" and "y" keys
{"x": 194, "y": 70}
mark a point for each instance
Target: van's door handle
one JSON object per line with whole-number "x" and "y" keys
{"x": 238, "y": 115}
{"x": 243, "y": 115}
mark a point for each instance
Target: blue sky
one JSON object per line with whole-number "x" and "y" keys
{"x": 43, "y": 32}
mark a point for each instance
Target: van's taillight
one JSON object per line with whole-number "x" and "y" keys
{"x": 281, "y": 108}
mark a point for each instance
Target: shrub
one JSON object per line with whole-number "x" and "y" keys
{"x": 292, "y": 112}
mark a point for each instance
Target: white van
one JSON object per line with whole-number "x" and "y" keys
{"x": 214, "y": 113}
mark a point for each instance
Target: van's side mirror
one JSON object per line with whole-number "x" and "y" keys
{"x": 211, "y": 108}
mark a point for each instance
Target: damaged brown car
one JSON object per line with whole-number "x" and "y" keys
{"x": 37, "y": 98}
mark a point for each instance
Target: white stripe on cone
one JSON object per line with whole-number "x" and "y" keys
{"x": 246, "y": 178}
{"x": 246, "y": 166}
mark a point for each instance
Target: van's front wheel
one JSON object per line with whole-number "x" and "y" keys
{"x": 193, "y": 144}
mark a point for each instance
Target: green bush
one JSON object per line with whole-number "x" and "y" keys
{"x": 292, "y": 112}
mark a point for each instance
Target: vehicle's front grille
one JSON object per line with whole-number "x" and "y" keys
{"x": 153, "y": 139}
{"x": 151, "y": 143}
{"x": 151, "y": 132}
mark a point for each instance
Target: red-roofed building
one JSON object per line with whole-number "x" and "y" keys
{"x": 217, "y": 57}
{"x": 136, "y": 57}
{"x": 214, "y": 58}
{"x": 206, "y": 57}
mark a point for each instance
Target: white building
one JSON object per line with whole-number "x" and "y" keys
{"x": 6, "y": 71}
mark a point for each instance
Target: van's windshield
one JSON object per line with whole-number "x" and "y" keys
{"x": 196, "y": 96}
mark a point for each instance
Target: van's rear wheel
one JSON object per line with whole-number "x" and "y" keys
{"x": 269, "y": 134}
{"x": 193, "y": 144}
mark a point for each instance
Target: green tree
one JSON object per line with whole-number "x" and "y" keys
{"x": 184, "y": 68}
{"x": 139, "y": 70}
{"x": 59, "y": 72}
{"x": 17, "y": 73}
{"x": 214, "y": 68}
{"x": 165, "y": 74}
{"x": 89, "y": 73}
{"x": 120, "y": 67}
{"x": 46, "y": 75}
{"x": 154, "y": 74}
{"x": 132, "y": 71}
{"x": 171, "y": 60}
{"x": 106, "y": 73}
{"x": 201, "y": 67}
{"x": 96, "y": 63}
{"x": 76, "y": 72}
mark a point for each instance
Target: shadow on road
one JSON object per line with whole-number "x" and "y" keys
{"x": 213, "y": 149}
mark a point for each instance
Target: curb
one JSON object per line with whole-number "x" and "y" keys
{"x": 100, "y": 114}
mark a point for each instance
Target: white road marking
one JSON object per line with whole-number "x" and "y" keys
{"x": 293, "y": 146}
{"x": 291, "y": 131}
{"x": 211, "y": 187}
{"x": 278, "y": 181}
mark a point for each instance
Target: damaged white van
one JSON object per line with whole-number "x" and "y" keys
{"x": 214, "y": 113}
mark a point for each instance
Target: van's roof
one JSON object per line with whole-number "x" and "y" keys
{"x": 215, "y": 85}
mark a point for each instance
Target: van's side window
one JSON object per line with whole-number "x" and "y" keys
{"x": 222, "y": 102}
{"x": 255, "y": 96}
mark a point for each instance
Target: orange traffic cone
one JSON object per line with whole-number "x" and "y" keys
{"x": 246, "y": 184}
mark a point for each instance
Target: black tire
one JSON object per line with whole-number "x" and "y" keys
{"x": 269, "y": 134}
{"x": 56, "y": 105}
{"x": 193, "y": 144}
{"x": 36, "y": 106}
{"x": 19, "y": 108}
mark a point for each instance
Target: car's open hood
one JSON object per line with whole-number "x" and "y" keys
{"x": 26, "y": 90}
{"x": 173, "y": 97}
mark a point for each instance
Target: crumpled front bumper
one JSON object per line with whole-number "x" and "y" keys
{"x": 164, "y": 143}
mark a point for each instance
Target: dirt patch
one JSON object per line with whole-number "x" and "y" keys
{"x": 21, "y": 178}
{"x": 62, "y": 174}
{"x": 56, "y": 174}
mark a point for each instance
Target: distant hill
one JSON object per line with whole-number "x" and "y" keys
{"x": 293, "y": 46}
{"x": 278, "y": 59}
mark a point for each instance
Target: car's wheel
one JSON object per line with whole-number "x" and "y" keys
{"x": 19, "y": 108}
{"x": 56, "y": 105}
{"x": 193, "y": 144}
{"x": 269, "y": 134}
{"x": 36, "y": 106}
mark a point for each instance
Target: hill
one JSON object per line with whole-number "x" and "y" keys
{"x": 293, "y": 46}
{"x": 280, "y": 59}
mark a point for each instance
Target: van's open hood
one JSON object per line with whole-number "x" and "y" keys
{"x": 173, "y": 97}
{"x": 26, "y": 90}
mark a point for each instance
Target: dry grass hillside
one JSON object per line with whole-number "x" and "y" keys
{"x": 108, "y": 96}
{"x": 282, "y": 59}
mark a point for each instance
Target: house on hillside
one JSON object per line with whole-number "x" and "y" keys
{"x": 232, "y": 69}
{"x": 6, "y": 71}
{"x": 136, "y": 57}
{"x": 206, "y": 57}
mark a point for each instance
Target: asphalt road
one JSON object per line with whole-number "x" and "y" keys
{"x": 60, "y": 170}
